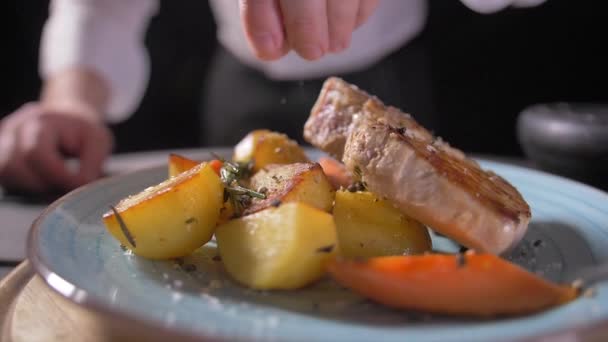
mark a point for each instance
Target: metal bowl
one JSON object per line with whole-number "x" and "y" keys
{"x": 569, "y": 139}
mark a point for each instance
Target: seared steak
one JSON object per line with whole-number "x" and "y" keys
{"x": 423, "y": 176}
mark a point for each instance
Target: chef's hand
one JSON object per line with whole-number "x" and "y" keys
{"x": 312, "y": 28}
{"x": 36, "y": 141}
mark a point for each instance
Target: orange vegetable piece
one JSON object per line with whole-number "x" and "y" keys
{"x": 466, "y": 284}
{"x": 336, "y": 172}
{"x": 216, "y": 165}
{"x": 179, "y": 164}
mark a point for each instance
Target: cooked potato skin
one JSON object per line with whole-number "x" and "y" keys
{"x": 368, "y": 227}
{"x": 278, "y": 248}
{"x": 297, "y": 182}
{"x": 173, "y": 218}
{"x": 265, "y": 147}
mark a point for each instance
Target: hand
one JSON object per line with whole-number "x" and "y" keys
{"x": 312, "y": 28}
{"x": 35, "y": 141}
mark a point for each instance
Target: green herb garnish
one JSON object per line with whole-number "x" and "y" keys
{"x": 325, "y": 249}
{"x": 231, "y": 174}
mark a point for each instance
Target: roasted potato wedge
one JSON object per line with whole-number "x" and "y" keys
{"x": 298, "y": 182}
{"x": 171, "y": 219}
{"x": 278, "y": 248}
{"x": 368, "y": 227}
{"x": 265, "y": 147}
{"x": 179, "y": 164}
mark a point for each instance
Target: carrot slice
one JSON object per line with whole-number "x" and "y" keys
{"x": 216, "y": 165}
{"x": 336, "y": 172}
{"x": 466, "y": 284}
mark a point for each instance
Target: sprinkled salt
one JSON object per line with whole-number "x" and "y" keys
{"x": 176, "y": 296}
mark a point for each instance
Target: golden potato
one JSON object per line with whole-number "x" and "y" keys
{"x": 369, "y": 227}
{"x": 265, "y": 147}
{"x": 298, "y": 182}
{"x": 179, "y": 164}
{"x": 278, "y": 248}
{"x": 171, "y": 219}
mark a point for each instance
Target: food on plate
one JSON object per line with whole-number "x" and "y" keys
{"x": 297, "y": 182}
{"x": 282, "y": 222}
{"x": 278, "y": 248}
{"x": 263, "y": 147}
{"x": 171, "y": 219}
{"x": 178, "y": 164}
{"x": 368, "y": 226}
{"x": 462, "y": 284}
{"x": 421, "y": 175}
{"x": 336, "y": 172}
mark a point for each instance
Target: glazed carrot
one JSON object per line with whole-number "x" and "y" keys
{"x": 465, "y": 284}
{"x": 216, "y": 165}
{"x": 336, "y": 172}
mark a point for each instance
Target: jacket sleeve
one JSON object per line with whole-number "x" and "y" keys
{"x": 106, "y": 36}
{"x": 491, "y": 6}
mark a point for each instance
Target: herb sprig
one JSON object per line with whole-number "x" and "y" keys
{"x": 231, "y": 174}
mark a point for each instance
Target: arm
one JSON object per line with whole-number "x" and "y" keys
{"x": 491, "y": 6}
{"x": 104, "y": 40}
{"x": 95, "y": 69}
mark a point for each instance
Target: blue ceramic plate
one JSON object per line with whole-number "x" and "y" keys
{"x": 72, "y": 251}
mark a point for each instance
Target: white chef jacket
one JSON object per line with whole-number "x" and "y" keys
{"x": 107, "y": 36}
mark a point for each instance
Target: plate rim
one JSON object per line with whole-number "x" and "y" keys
{"x": 80, "y": 296}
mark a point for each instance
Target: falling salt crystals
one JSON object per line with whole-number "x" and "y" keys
{"x": 178, "y": 283}
{"x": 128, "y": 252}
{"x": 165, "y": 276}
{"x": 176, "y": 297}
{"x": 213, "y": 302}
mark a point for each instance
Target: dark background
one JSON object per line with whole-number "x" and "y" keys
{"x": 485, "y": 68}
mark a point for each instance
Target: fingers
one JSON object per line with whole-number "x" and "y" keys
{"x": 264, "y": 28}
{"x": 33, "y": 147}
{"x": 306, "y": 27}
{"x": 14, "y": 173}
{"x": 366, "y": 8}
{"x": 41, "y": 150}
{"x": 342, "y": 17}
{"x": 96, "y": 147}
{"x": 312, "y": 28}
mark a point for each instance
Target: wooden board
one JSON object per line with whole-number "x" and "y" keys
{"x": 31, "y": 311}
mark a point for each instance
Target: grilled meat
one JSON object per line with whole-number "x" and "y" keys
{"x": 422, "y": 175}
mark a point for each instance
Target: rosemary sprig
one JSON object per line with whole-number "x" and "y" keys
{"x": 231, "y": 174}
{"x": 123, "y": 227}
